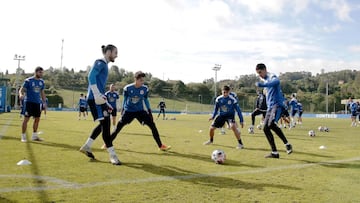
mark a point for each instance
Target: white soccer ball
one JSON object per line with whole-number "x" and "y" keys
{"x": 259, "y": 127}
{"x": 251, "y": 130}
{"x": 321, "y": 129}
{"x": 218, "y": 156}
{"x": 326, "y": 129}
{"x": 311, "y": 133}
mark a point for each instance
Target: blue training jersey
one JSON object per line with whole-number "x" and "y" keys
{"x": 353, "y": 106}
{"x": 135, "y": 98}
{"x": 227, "y": 106}
{"x": 98, "y": 76}
{"x": 274, "y": 94}
{"x": 300, "y": 107}
{"x": 33, "y": 89}
{"x": 293, "y": 104}
{"x": 112, "y": 97}
{"x": 82, "y": 102}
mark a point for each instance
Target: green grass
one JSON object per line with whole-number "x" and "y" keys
{"x": 59, "y": 173}
{"x": 71, "y": 98}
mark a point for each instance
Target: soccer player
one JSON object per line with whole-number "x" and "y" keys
{"x": 275, "y": 106}
{"x": 294, "y": 108}
{"x": 260, "y": 108}
{"x": 82, "y": 105}
{"x": 222, "y": 131}
{"x": 227, "y": 105}
{"x": 162, "y": 107}
{"x": 112, "y": 96}
{"x": 353, "y": 109}
{"x": 135, "y": 97}
{"x": 285, "y": 116}
{"x": 300, "y": 112}
{"x": 44, "y": 106}
{"x": 33, "y": 94}
{"x": 358, "y": 110}
{"x": 100, "y": 108}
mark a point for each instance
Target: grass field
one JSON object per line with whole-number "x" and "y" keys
{"x": 59, "y": 173}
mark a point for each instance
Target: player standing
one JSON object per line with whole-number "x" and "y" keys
{"x": 294, "y": 108}
{"x": 112, "y": 96}
{"x": 300, "y": 112}
{"x": 227, "y": 105}
{"x": 162, "y": 107}
{"x": 33, "y": 94}
{"x": 275, "y": 106}
{"x": 135, "y": 97}
{"x": 82, "y": 105}
{"x": 353, "y": 109}
{"x": 100, "y": 108}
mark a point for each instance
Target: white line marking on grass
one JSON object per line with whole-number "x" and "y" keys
{"x": 62, "y": 184}
{"x": 5, "y": 127}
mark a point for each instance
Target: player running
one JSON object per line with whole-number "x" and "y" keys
{"x": 227, "y": 105}
{"x": 135, "y": 97}
{"x": 260, "y": 108}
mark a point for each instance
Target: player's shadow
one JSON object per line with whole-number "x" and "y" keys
{"x": 168, "y": 173}
{"x": 198, "y": 157}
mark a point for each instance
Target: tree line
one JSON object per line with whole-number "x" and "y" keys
{"x": 315, "y": 92}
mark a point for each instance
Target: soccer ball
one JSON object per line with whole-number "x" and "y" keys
{"x": 218, "y": 156}
{"x": 311, "y": 133}
{"x": 251, "y": 130}
{"x": 326, "y": 129}
{"x": 259, "y": 127}
{"x": 321, "y": 129}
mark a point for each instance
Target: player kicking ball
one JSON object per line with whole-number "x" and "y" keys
{"x": 227, "y": 105}
{"x": 135, "y": 96}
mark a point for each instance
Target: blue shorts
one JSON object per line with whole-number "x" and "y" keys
{"x": 354, "y": 113}
{"x": 99, "y": 112}
{"x": 293, "y": 113}
{"x": 220, "y": 121}
{"x": 273, "y": 115}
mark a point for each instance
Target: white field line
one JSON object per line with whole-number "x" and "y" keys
{"x": 62, "y": 184}
{"x": 5, "y": 127}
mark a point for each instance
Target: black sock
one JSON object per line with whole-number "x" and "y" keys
{"x": 240, "y": 142}
{"x": 211, "y": 139}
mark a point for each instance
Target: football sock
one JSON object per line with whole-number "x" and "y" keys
{"x": 89, "y": 142}
{"x": 211, "y": 139}
{"x": 111, "y": 150}
{"x": 240, "y": 142}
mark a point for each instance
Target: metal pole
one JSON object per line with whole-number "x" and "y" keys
{"x": 216, "y": 68}
{"x": 18, "y": 58}
{"x": 327, "y": 97}
{"x": 62, "y": 48}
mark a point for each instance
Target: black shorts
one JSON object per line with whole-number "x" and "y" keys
{"x": 258, "y": 112}
{"x": 142, "y": 116}
{"x": 285, "y": 113}
{"x": 220, "y": 121}
{"x": 300, "y": 113}
{"x": 114, "y": 112}
{"x": 32, "y": 109}
{"x": 82, "y": 109}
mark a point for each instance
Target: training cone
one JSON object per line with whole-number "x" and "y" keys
{"x": 23, "y": 162}
{"x": 322, "y": 147}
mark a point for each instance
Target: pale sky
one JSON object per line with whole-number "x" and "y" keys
{"x": 183, "y": 39}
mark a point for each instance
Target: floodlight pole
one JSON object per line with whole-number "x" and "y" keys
{"x": 216, "y": 68}
{"x": 18, "y": 58}
{"x": 61, "y": 60}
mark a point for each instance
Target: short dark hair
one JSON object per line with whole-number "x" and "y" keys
{"x": 260, "y": 66}
{"x": 107, "y": 47}
{"x": 139, "y": 75}
{"x": 226, "y": 88}
{"x": 37, "y": 69}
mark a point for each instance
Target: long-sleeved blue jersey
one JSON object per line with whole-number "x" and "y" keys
{"x": 272, "y": 86}
{"x": 98, "y": 76}
{"x": 135, "y": 98}
{"x": 227, "y": 106}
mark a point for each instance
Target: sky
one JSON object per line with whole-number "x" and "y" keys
{"x": 183, "y": 39}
